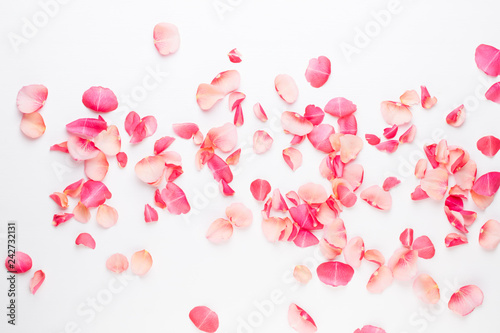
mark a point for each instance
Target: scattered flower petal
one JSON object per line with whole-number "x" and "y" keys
{"x": 465, "y": 300}
{"x": 31, "y": 98}
{"x": 286, "y": 87}
{"x": 36, "y": 281}
{"x": 204, "y": 319}
{"x": 166, "y": 38}
{"x": 318, "y": 71}
{"x": 141, "y": 262}
{"x": 85, "y": 239}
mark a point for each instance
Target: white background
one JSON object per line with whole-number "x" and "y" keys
{"x": 109, "y": 43}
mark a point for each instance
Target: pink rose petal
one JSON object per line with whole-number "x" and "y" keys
{"x": 260, "y": 188}
{"x": 286, "y": 87}
{"x": 81, "y": 149}
{"x": 370, "y": 329}
{"x": 354, "y": 252}
{"x": 296, "y": 124}
{"x": 96, "y": 168}
{"x": 150, "y": 214}
{"x": 426, "y": 99}
{"x": 389, "y": 146}
{"x": 380, "y": 280}
{"x": 259, "y": 112}
{"x": 302, "y": 274}
{"x": 204, "y": 319}
{"x": 493, "y": 94}
{"x": 224, "y": 137}
{"x": 320, "y": 137}
{"x": 100, "y": 99}
{"x": 150, "y": 169}
{"x": 106, "y": 216}
{"x": 239, "y": 215}
{"x": 87, "y": 128}
{"x": 32, "y": 125}
{"x": 109, "y": 141}
{"x": 465, "y": 300}
{"x": 131, "y": 122}
{"x": 374, "y": 256}
{"x": 220, "y": 231}
{"x": 487, "y": 184}
{"x": 31, "y": 98}
{"x": 58, "y": 219}
{"x": 117, "y": 263}
{"x": 166, "y": 38}
{"x": 300, "y": 320}
{"x": 141, "y": 262}
{"x": 406, "y": 237}
{"x": 94, "y": 193}
{"x": 314, "y": 114}
{"x": 262, "y": 142}
{"x": 318, "y": 71}
{"x": 36, "y": 281}
{"x": 122, "y": 159}
{"x": 488, "y": 59}
{"x": 220, "y": 169}
{"x": 435, "y": 183}
{"x": 376, "y": 197}
{"x": 340, "y": 107}
{"x": 20, "y": 264}
{"x": 454, "y": 239}
{"x": 424, "y": 247}
{"x": 403, "y": 264}
{"x": 488, "y": 145}
{"x": 335, "y": 273}
{"x": 395, "y": 113}
{"x": 426, "y": 289}
{"x": 81, "y": 213}
{"x": 409, "y": 135}
{"x": 85, "y": 239}
{"x": 144, "y": 129}
{"x": 175, "y": 199}
{"x": 390, "y": 182}
{"x": 234, "y": 56}
{"x": 390, "y": 132}
{"x": 234, "y": 157}
{"x": 409, "y": 97}
{"x": 456, "y": 117}
{"x": 489, "y": 235}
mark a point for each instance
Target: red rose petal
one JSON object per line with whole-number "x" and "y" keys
{"x": 487, "y": 184}
{"x": 234, "y": 56}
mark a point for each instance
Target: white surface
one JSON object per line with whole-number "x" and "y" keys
{"x": 109, "y": 43}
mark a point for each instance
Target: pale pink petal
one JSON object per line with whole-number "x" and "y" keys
{"x": 260, "y": 188}
{"x": 421, "y": 168}
{"x": 340, "y": 107}
{"x": 259, "y": 112}
{"x": 36, "y": 281}
{"x": 150, "y": 169}
{"x": 227, "y": 81}
{"x": 353, "y": 174}
{"x": 389, "y": 146}
{"x": 488, "y": 145}
{"x": 465, "y": 300}
{"x": 313, "y": 193}
{"x": 466, "y": 176}
{"x": 424, "y": 247}
{"x": 185, "y": 130}
{"x": 328, "y": 250}
{"x": 300, "y": 320}
{"x": 454, "y": 239}
{"x": 350, "y": 146}
{"x": 204, "y": 319}
{"x": 239, "y": 214}
{"x": 150, "y": 214}
{"x": 96, "y": 168}
{"x": 106, "y": 216}
{"x": 294, "y": 123}
{"x": 370, "y": 329}
{"x": 488, "y": 59}
{"x": 122, "y": 159}
{"x": 81, "y": 149}
{"x": 372, "y": 139}
{"x": 293, "y": 197}
{"x": 469, "y": 217}
{"x": 94, "y": 193}
{"x": 482, "y": 201}
{"x": 435, "y": 183}
{"x": 198, "y": 138}
{"x": 131, "y": 122}
{"x": 108, "y": 141}
{"x": 302, "y": 274}
{"x": 406, "y": 237}
{"x": 224, "y": 137}
{"x": 403, "y": 264}
{"x": 208, "y": 95}
{"x": 85, "y": 239}
{"x": 318, "y": 71}
{"x": 409, "y": 135}
{"x": 380, "y": 280}
{"x": 377, "y": 197}
{"x": 278, "y": 202}
{"x": 234, "y": 56}
{"x": 100, "y": 99}
{"x": 320, "y": 137}
{"x": 234, "y": 158}
{"x": 31, "y": 98}
{"x": 410, "y": 97}
{"x": 20, "y": 264}
{"x": 81, "y": 213}
{"x": 62, "y": 147}
{"x": 375, "y": 256}
{"x": 286, "y": 87}
{"x": 220, "y": 169}
{"x": 272, "y": 228}
{"x": 73, "y": 190}
{"x": 354, "y": 252}
{"x": 487, "y": 184}
{"x": 335, "y": 273}
{"x": 390, "y": 182}
{"x": 220, "y": 231}
{"x": 141, "y": 262}
{"x": 60, "y": 199}
{"x": 348, "y": 125}
{"x": 305, "y": 238}
{"x": 235, "y": 100}
{"x": 32, "y": 125}
{"x": 493, "y": 94}
{"x": 489, "y": 235}
{"x": 166, "y": 38}
{"x": 426, "y": 100}
{"x": 314, "y": 114}
{"x": 390, "y": 132}
{"x": 442, "y": 154}
{"x": 262, "y": 142}
{"x": 456, "y": 117}
{"x": 395, "y": 113}
{"x": 426, "y": 289}
{"x": 292, "y": 157}
{"x": 117, "y": 263}
{"x": 175, "y": 199}
{"x": 146, "y": 128}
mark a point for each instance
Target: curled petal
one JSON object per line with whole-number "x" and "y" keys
{"x": 410, "y": 97}
{"x": 81, "y": 213}
{"x": 162, "y": 144}
{"x": 224, "y": 137}
{"x": 420, "y": 168}
{"x": 376, "y": 197}
{"x": 380, "y": 280}
{"x": 406, "y": 237}
{"x": 488, "y": 59}
{"x": 100, "y": 99}
{"x": 391, "y": 132}
{"x": 31, "y": 98}
{"x": 389, "y": 146}
{"x": 106, "y": 216}
{"x": 122, "y": 159}
{"x": 489, "y": 235}
{"x": 403, "y": 264}
{"x": 96, "y": 168}
{"x": 493, "y": 94}
{"x": 372, "y": 139}
{"x": 117, "y": 263}
{"x": 260, "y": 188}
{"x": 220, "y": 231}
{"x": 488, "y": 145}
{"x": 20, "y": 264}
{"x": 292, "y": 157}
{"x": 300, "y": 320}
{"x": 131, "y": 122}
{"x": 294, "y": 123}
{"x": 424, "y": 247}
{"x": 456, "y": 117}
{"x": 314, "y": 114}
{"x": 426, "y": 289}
{"x": 85, "y": 239}
{"x": 302, "y": 274}
{"x": 234, "y": 56}
{"x": 286, "y": 87}
{"x": 227, "y": 81}
{"x": 259, "y": 112}
{"x": 146, "y": 128}
{"x": 482, "y": 201}
{"x": 354, "y": 252}
{"x": 175, "y": 199}
{"x": 60, "y": 199}
{"x": 262, "y": 142}
{"x": 239, "y": 214}
{"x": 350, "y": 146}
{"x": 159, "y": 200}
{"x": 395, "y": 113}
{"x": 62, "y": 147}
{"x": 141, "y": 262}
{"x": 456, "y": 220}
{"x": 435, "y": 183}
{"x": 220, "y": 169}
{"x": 150, "y": 214}
{"x": 150, "y": 169}
{"x": 234, "y": 158}
{"x": 335, "y": 273}
{"x": 87, "y": 128}
{"x": 465, "y": 300}
{"x": 340, "y": 107}
{"x": 204, "y": 319}
{"x": 409, "y": 135}
{"x": 320, "y": 137}
{"x": 36, "y": 281}
{"x": 390, "y": 182}
{"x": 61, "y": 218}
{"x": 73, "y": 190}
{"x": 353, "y": 174}
{"x": 466, "y": 176}
{"x": 185, "y": 130}
{"x": 426, "y": 99}
{"x": 81, "y": 149}
{"x": 32, "y": 125}
{"x": 166, "y": 38}
{"x": 454, "y": 239}
{"x": 487, "y": 184}
{"x": 109, "y": 141}
{"x": 375, "y": 256}
{"x": 272, "y": 228}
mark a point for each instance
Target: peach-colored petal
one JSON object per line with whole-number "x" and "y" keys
{"x": 395, "y": 113}
{"x": 81, "y": 213}
{"x": 96, "y": 168}
{"x": 260, "y": 188}
{"x": 117, "y": 263}
{"x": 207, "y": 96}
{"x": 340, "y": 107}
{"x": 465, "y": 300}
{"x": 406, "y": 237}
{"x": 73, "y": 190}
{"x": 150, "y": 214}
{"x": 423, "y": 245}
{"x": 409, "y": 135}
{"x": 300, "y": 320}
{"x": 380, "y": 280}
{"x": 204, "y": 319}
{"x": 175, "y": 199}
{"x": 303, "y": 216}
{"x": 456, "y": 117}
{"x": 318, "y": 71}
{"x": 144, "y": 129}
{"x": 20, "y": 264}
{"x": 272, "y": 228}
{"x": 60, "y": 199}
{"x": 488, "y": 145}
{"x": 421, "y": 168}
{"x": 482, "y": 201}
{"x": 278, "y": 202}
{"x": 454, "y": 239}
{"x": 354, "y": 252}
{"x": 302, "y": 274}
{"x": 292, "y": 157}
{"x": 376, "y": 197}
{"x": 262, "y": 142}
{"x": 234, "y": 56}
{"x": 328, "y": 250}
{"x": 85, "y": 239}
{"x": 320, "y": 137}
{"x": 488, "y": 184}
{"x": 36, "y": 281}
{"x": 389, "y": 146}
{"x": 234, "y": 158}
{"x": 350, "y": 146}
{"x": 94, "y": 193}
{"x": 150, "y": 169}
{"x": 32, "y": 125}
{"x": 224, "y": 137}
{"x": 466, "y": 176}
{"x": 493, "y": 93}
{"x": 390, "y": 182}
{"x": 353, "y": 174}
{"x": 239, "y": 214}
{"x": 375, "y": 256}
{"x": 442, "y": 154}
{"x": 100, "y": 99}
{"x": 335, "y": 273}
{"x": 403, "y": 264}
{"x": 294, "y": 123}
{"x": 426, "y": 99}
{"x": 488, "y": 59}
{"x": 166, "y": 38}
{"x": 106, "y": 216}
{"x": 220, "y": 231}
{"x": 286, "y": 87}
{"x": 410, "y": 97}
{"x": 141, "y": 262}
{"x": 314, "y": 114}
{"x": 227, "y": 81}
{"x": 435, "y": 183}
{"x": 108, "y": 141}
{"x": 259, "y": 112}
{"x": 31, "y": 98}
{"x": 235, "y": 100}
{"x": 122, "y": 159}
{"x": 426, "y": 289}
{"x": 313, "y": 193}
{"x": 489, "y": 235}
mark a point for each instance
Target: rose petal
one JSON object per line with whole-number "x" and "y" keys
{"x": 220, "y": 169}
{"x": 454, "y": 239}
{"x": 302, "y": 274}
{"x": 340, "y": 107}
{"x": 456, "y": 117}
{"x": 456, "y": 220}
{"x": 225, "y": 137}
{"x": 300, "y": 320}
{"x": 488, "y": 145}
{"x": 465, "y": 300}
{"x": 489, "y": 235}
{"x": 166, "y": 38}
{"x": 372, "y": 139}
{"x": 370, "y": 329}
{"x": 435, "y": 183}
{"x": 403, "y": 264}
{"x": 204, "y": 319}
{"x": 426, "y": 289}
{"x": 354, "y": 252}
{"x": 31, "y": 98}
{"x": 335, "y": 273}
{"x": 259, "y": 112}
{"x": 320, "y": 137}
{"x": 81, "y": 213}
{"x": 185, "y": 130}
{"x": 380, "y": 280}
{"x": 420, "y": 168}
{"x": 234, "y": 158}
{"x": 295, "y": 123}
{"x": 81, "y": 149}
{"x": 227, "y": 81}
{"x": 94, "y": 193}
{"x": 144, "y": 129}
{"x": 390, "y": 132}
{"x": 424, "y": 247}
{"x": 487, "y": 184}
{"x": 376, "y": 197}
{"x": 493, "y": 93}
{"x": 85, "y": 240}
{"x": 36, "y": 281}
{"x": 272, "y": 228}
{"x": 410, "y": 97}
{"x": 350, "y": 146}
{"x": 426, "y": 99}
{"x": 73, "y": 190}
{"x": 220, "y": 231}
{"x": 305, "y": 238}
{"x": 117, "y": 263}
{"x": 32, "y": 125}
{"x": 260, "y": 188}
{"x": 314, "y": 114}
{"x": 20, "y": 264}
{"x": 466, "y": 176}
{"x": 141, "y": 262}
{"x": 375, "y": 256}
{"x": 96, "y": 168}
{"x": 395, "y": 113}
{"x": 234, "y": 56}
{"x": 239, "y": 214}
{"x": 131, "y": 122}
{"x": 61, "y": 218}
{"x": 488, "y": 59}
{"x": 62, "y": 147}
{"x": 406, "y": 237}
{"x": 60, "y": 199}
{"x": 389, "y": 146}
{"x": 390, "y": 182}
{"x": 108, "y": 141}
{"x": 100, "y": 99}
{"x": 150, "y": 169}
{"x": 106, "y": 216}
{"x": 175, "y": 199}
{"x": 150, "y": 214}
{"x": 262, "y": 142}
{"x": 286, "y": 87}
{"x": 409, "y": 135}
{"x": 313, "y": 193}
{"x": 318, "y": 71}
{"x": 122, "y": 159}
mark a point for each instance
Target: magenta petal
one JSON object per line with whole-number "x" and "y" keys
{"x": 94, "y": 194}
{"x": 488, "y": 59}
{"x": 100, "y": 99}
{"x": 335, "y": 273}
{"x": 175, "y": 199}
{"x": 318, "y": 71}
